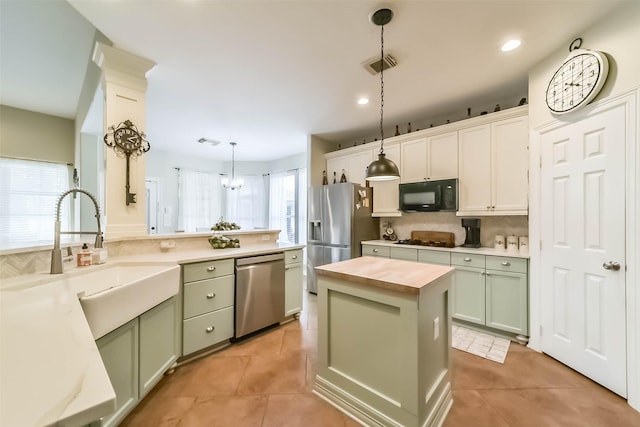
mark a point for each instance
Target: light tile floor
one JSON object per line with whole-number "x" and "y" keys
{"x": 479, "y": 343}
{"x": 266, "y": 381}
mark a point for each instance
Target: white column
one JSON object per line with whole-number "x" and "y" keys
{"x": 124, "y": 86}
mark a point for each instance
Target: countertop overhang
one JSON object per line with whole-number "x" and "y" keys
{"x": 51, "y": 370}
{"x": 396, "y": 275}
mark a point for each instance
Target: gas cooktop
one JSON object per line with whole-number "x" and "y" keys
{"x": 417, "y": 242}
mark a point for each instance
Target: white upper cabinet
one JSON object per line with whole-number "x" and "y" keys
{"x": 354, "y": 166}
{"x": 493, "y": 165}
{"x": 386, "y": 194}
{"x": 431, "y": 158}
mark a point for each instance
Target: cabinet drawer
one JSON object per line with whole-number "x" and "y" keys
{"x": 516, "y": 265}
{"x": 434, "y": 257}
{"x": 467, "y": 260}
{"x": 292, "y": 257}
{"x": 406, "y": 254}
{"x": 208, "y": 295}
{"x": 368, "y": 250}
{"x": 207, "y": 270}
{"x": 206, "y": 330}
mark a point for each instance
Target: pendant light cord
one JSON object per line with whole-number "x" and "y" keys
{"x": 381, "y": 89}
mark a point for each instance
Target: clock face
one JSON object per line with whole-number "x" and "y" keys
{"x": 577, "y": 81}
{"x": 127, "y": 138}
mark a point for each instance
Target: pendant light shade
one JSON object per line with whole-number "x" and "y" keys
{"x": 382, "y": 169}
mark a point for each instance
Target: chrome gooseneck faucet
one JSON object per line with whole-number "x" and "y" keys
{"x": 56, "y": 253}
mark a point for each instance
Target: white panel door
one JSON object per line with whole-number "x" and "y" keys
{"x": 583, "y": 234}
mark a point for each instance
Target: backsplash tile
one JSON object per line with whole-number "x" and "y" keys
{"x": 39, "y": 261}
{"x": 448, "y": 221}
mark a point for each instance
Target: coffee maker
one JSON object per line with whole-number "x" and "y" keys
{"x": 472, "y": 229}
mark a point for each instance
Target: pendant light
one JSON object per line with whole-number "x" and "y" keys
{"x": 234, "y": 183}
{"x": 382, "y": 169}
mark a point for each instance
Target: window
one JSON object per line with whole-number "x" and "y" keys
{"x": 287, "y": 196}
{"x": 198, "y": 199}
{"x": 246, "y": 205}
{"x": 29, "y": 191}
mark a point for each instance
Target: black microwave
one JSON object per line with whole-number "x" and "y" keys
{"x": 429, "y": 196}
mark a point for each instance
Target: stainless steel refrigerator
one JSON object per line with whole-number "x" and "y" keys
{"x": 339, "y": 218}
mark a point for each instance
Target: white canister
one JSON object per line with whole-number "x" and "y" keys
{"x": 499, "y": 243}
{"x": 523, "y": 244}
{"x": 512, "y": 244}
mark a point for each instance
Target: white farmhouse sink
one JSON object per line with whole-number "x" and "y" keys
{"x": 116, "y": 293}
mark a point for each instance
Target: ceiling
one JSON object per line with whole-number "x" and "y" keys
{"x": 266, "y": 74}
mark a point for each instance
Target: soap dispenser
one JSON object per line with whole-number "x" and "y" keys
{"x": 84, "y": 256}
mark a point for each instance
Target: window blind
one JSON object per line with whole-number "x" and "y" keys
{"x": 28, "y": 194}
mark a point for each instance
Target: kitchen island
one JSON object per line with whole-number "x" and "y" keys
{"x": 384, "y": 334}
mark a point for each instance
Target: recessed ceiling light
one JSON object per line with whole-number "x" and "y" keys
{"x": 363, "y": 101}
{"x": 510, "y": 45}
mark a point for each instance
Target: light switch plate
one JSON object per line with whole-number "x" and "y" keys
{"x": 436, "y": 328}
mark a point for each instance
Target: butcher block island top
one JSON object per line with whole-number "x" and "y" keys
{"x": 384, "y": 337}
{"x": 396, "y": 275}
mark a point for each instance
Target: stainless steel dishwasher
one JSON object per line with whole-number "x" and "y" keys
{"x": 259, "y": 292}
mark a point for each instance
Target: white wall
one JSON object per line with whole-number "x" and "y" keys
{"x": 35, "y": 136}
{"x": 618, "y": 35}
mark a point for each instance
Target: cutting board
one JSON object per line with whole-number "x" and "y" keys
{"x": 436, "y": 236}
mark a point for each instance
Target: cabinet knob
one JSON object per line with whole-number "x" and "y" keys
{"x": 375, "y": 250}
{"x": 506, "y": 263}
{"x": 211, "y": 268}
{"x": 482, "y": 273}
{"x": 467, "y": 259}
{"x": 488, "y": 207}
{"x": 493, "y": 207}
{"x": 286, "y": 268}
{"x": 487, "y": 274}
{"x": 210, "y": 329}
{"x": 294, "y": 257}
{"x": 211, "y": 295}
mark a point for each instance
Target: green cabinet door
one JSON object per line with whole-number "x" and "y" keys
{"x": 159, "y": 342}
{"x": 119, "y": 351}
{"x": 292, "y": 289}
{"x": 468, "y": 294}
{"x": 507, "y": 301}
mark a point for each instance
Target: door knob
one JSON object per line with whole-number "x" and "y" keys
{"x": 611, "y": 265}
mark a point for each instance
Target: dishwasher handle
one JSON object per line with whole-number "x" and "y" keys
{"x": 259, "y": 259}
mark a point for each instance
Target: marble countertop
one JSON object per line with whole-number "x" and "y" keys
{"x": 51, "y": 369}
{"x": 396, "y": 275}
{"x": 457, "y": 249}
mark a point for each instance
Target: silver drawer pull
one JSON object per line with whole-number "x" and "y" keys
{"x": 294, "y": 257}
{"x": 211, "y": 295}
{"x": 506, "y": 263}
{"x": 375, "y": 250}
{"x": 467, "y": 259}
{"x": 210, "y": 329}
{"x": 211, "y": 269}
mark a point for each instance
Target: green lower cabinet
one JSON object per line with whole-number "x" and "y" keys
{"x": 496, "y": 296}
{"x": 137, "y": 354}
{"x": 119, "y": 352}
{"x": 292, "y": 289}
{"x": 468, "y": 294}
{"x": 506, "y": 301}
{"x": 160, "y": 338}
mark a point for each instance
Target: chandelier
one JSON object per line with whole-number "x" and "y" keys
{"x": 234, "y": 183}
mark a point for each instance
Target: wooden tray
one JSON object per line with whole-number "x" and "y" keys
{"x": 436, "y": 236}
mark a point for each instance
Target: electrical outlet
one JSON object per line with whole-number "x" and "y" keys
{"x": 436, "y": 328}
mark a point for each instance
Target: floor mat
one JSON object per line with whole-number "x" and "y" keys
{"x": 479, "y": 343}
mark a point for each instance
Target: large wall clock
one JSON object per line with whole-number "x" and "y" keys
{"x": 577, "y": 81}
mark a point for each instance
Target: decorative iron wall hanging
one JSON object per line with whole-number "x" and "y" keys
{"x": 127, "y": 140}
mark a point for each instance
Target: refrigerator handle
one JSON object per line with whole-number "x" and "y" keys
{"x": 315, "y": 232}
